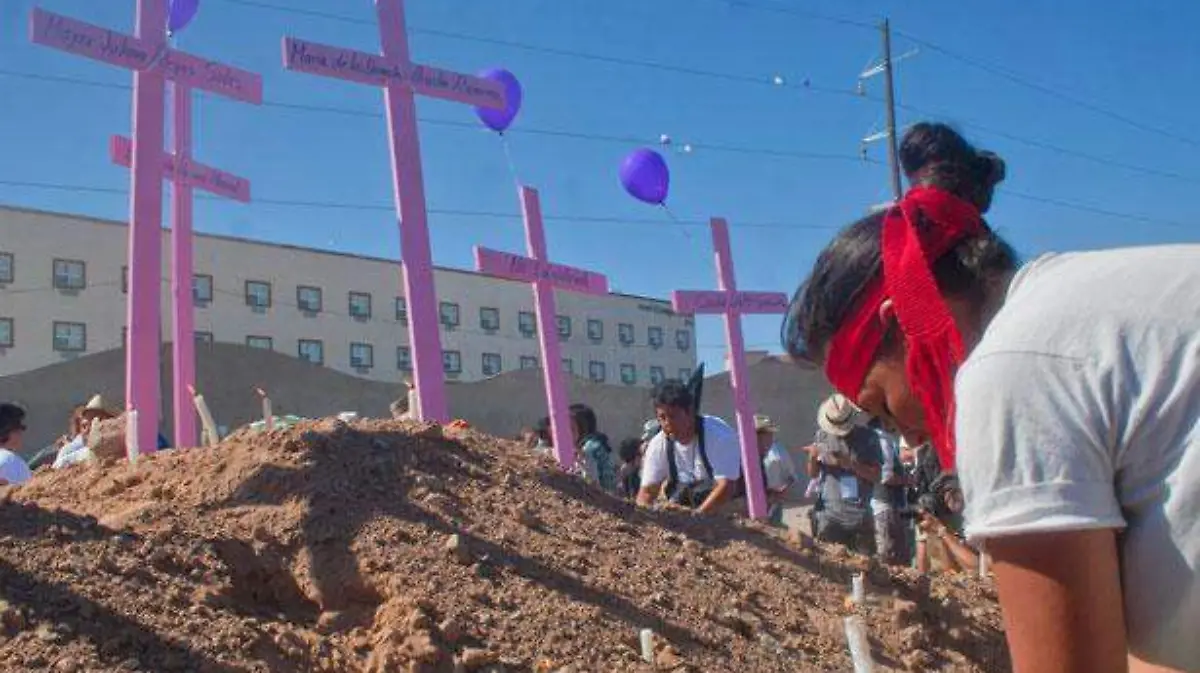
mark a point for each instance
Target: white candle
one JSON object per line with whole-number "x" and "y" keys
{"x": 858, "y": 589}
{"x": 206, "y": 419}
{"x": 268, "y": 415}
{"x": 131, "y": 436}
{"x": 860, "y": 647}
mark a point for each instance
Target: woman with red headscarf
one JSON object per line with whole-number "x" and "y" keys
{"x": 1065, "y": 392}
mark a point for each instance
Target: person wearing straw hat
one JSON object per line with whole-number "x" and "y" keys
{"x": 779, "y": 471}
{"x": 76, "y": 450}
{"x": 845, "y": 459}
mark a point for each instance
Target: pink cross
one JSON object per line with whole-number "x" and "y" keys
{"x": 153, "y": 62}
{"x": 537, "y": 270}
{"x": 400, "y": 78}
{"x": 733, "y": 304}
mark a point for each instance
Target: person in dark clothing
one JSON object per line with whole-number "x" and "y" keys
{"x": 845, "y": 459}
{"x": 628, "y": 477}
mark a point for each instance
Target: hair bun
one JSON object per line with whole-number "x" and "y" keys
{"x": 990, "y": 169}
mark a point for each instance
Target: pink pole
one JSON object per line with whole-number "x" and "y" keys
{"x": 543, "y": 297}
{"x": 742, "y": 403}
{"x": 184, "y": 342}
{"x": 409, "y": 193}
{"x": 145, "y": 232}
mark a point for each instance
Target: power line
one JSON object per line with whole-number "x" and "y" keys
{"x": 1075, "y": 100}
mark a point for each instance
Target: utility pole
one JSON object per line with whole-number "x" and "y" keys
{"x": 890, "y": 102}
{"x": 886, "y": 67}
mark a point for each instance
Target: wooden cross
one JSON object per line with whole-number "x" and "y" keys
{"x": 401, "y": 79}
{"x": 153, "y": 62}
{"x": 733, "y": 304}
{"x": 545, "y": 277}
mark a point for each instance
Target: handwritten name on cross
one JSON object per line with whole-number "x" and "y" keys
{"x": 733, "y": 304}
{"x": 400, "y": 79}
{"x": 545, "y": 277}
{"x": 153, "y": 62}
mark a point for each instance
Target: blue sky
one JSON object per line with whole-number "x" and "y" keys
{"x": 1134, "y": 64}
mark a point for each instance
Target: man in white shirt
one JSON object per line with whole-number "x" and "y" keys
{"x": 13, "y": 469}
{"x": 694, "y": 461}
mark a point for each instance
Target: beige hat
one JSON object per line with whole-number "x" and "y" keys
{"x": 763, "y": 423}
{"x": 836, "y": 415}
{"x": 95, "y": 404}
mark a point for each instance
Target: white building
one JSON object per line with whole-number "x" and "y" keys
{"x": 62, "y": 294}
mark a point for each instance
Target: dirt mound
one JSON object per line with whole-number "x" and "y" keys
{"x": 385, "y": 546}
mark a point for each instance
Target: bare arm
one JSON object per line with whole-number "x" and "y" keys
{"x": 645, "y": 496}
{"x": 720, "y": 493}
{"x": 1061, "y": 597}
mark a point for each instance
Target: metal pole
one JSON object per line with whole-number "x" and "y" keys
{"x": 890, "y": 102}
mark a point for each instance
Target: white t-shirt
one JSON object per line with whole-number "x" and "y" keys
{"x": 720, "y": 445}
{"x": 72, "y": 453}
{"x": 13, "y": 469}
{"x": 1080, "y": 409}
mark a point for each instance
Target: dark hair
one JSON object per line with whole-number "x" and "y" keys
{"x": 673, "y": 393}
{"x": 584, "y": 419}
{"x": 542, "y": 428}
{"x": 629, "y": 449}
{"x": 931, "y": 154}
{"x": 12, "y": 419}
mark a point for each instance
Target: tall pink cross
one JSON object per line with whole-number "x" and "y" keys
{"x": 733, "y": 304}
{"x": 153, "y": 62}
{"x": 545, "y": 277}
{"x": 187, "y": 175}
{"x": 400, "y": 79}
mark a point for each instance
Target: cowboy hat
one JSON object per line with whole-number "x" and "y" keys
{"x": 763, "y": 423}
{"x": 95, "y": 404}
{"x": 835, "y": 415}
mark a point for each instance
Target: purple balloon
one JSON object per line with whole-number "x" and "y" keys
{"x": 645, "y": 175}
{"x": 500, "y": 120}
{"x": 181, "y": 14}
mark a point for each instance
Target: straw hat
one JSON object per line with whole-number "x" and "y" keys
{"x": 763, "y": 423}
{"x": 96, "y": 408}
{"x": 836, "y": 414}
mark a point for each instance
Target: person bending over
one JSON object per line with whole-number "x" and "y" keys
{"x": 694, "y": 460}
{"x": 1070, "y": 387}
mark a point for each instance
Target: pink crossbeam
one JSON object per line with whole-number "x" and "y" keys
{"x": 90, "y": 41}
{"x": 515, "y": 267}
{"x": 402, "y": 80}
{"x": 195, "y": 175}
{"x": 733, "y": 304}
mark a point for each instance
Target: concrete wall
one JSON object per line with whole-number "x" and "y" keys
{"x": 227, "y": 375}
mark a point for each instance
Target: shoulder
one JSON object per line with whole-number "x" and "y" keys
{"x": 717, "y": 427}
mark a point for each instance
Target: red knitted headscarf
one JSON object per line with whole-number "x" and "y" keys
{"x": 926, "y": 224}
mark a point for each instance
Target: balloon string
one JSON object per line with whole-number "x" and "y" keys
{"x": 512, "y": 166}
{"x": 676, "y": 220}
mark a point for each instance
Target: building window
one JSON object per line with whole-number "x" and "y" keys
{"x": 657, "y": 375}
{"x": 564, "y": 327}
{"x": 309, "y": 299}
{"x": 596, "y": 330}
{"x": 124, "y": 280}
{"x": 628, "y": 374}
{"x": 449, "y": 314}
{"x": 529, "y": 362}
{"x": 258, "y": 294}
{"x": 404, "y": 359}
{"x": 6, "y": 267}
{"x": 402, "y": 310}
{"x": 6, "y": 332}
{"x": 654, "y": 336}
{"x": 202, "y": 288}
{"x": 492, "y": 364}
{"x": 362, "y": 356}
{"x": 204, "y": 338}
{"x": 568, "y": 366}
{"x": 70, "y": 337}
{"x": 625, "y": 334}
{"x": 261, "y": 343}
{"x": 69, "y": 274}
{"x": 527, "y": 323}
{"x": 360, "y": 305}
{"x": 683, "y": 339}
{"x": 452, "y": 362}
{"x": 685, "y": 374}
{"x": 489, "y": 319}
{"x": 597, "y": 371}
{"x": 312, "y": 350}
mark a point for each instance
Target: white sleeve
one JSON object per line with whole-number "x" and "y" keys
{"x": 724, "y": 451}
{"x": 1033, "y": 449}
{"x": 655, "y": 469}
